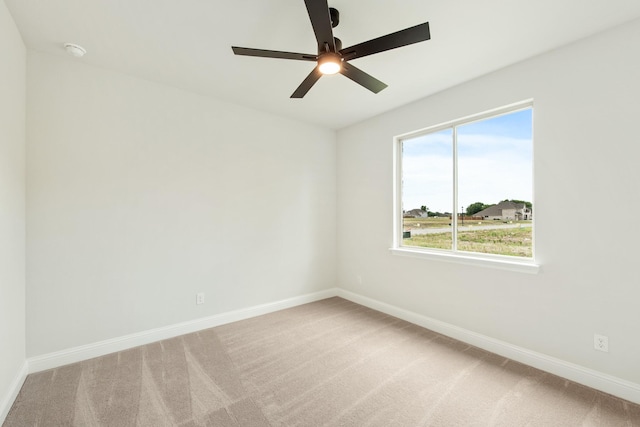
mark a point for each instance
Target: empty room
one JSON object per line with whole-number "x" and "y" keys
{"x": 312, "y": 213}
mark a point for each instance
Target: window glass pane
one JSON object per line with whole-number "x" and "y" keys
{"x": 495, "y": 158}
{"x": 427, "y": 190}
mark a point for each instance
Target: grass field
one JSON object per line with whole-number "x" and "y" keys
{"x": 508, "y": 241}
{"x": 410, "y": 223}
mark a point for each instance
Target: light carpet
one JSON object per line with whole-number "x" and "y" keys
{"x": 328, "y": 363}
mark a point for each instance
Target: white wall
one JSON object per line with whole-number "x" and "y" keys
{"x": 141, "y": 195}
{"x": 586, "y": 162}
{"x": 12, "y": 207}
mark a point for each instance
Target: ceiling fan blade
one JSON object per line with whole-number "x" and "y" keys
{"x": 400, "y": 38}
{"x": 362, "y": 78}
{"x": 321, "y": 23}
{"x": 304, "y": 87}
{"x": 273, "y": 54}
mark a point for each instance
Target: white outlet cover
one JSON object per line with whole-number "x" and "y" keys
{"x": 601, "y": 342}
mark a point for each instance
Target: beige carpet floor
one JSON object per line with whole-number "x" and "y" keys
{"x": 329, "y": 363}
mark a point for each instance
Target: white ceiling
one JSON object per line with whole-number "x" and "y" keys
{"x": 187, "y": 44}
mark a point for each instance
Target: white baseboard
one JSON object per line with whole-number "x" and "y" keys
{"x": 12, "y": 393}
{"x": 589, "y": 377}
{"x": 89, "y": 351}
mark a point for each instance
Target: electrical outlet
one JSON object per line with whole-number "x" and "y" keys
{"x": 601, "y": 343}
{"x": 200, "y": 298}
{"x": 359, "y": 279}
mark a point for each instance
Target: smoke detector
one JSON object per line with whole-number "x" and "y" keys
{"x": 75, "y": 50}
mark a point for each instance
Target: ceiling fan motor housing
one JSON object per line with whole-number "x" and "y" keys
{"x": 338, "y": 43}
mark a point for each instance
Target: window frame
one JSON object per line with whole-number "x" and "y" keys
{"x": 512, "y": 263}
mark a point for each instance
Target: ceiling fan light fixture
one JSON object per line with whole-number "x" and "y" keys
{"x": 330, "y": 63}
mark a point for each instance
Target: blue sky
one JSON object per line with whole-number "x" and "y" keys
{"x": 494, "y": 163}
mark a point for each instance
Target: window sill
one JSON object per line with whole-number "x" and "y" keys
{"x": 523, "y": 266}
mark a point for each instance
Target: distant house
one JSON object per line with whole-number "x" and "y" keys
{"x": 506, "y": 211}
{"x": 415, "y": 213}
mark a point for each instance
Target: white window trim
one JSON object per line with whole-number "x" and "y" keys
{"x": 469, "y": 258}
{"x": 524, "y": 265}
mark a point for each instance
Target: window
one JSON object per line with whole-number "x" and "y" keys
{"x": 466, "y": 187}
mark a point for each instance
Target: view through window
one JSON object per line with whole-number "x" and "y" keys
{"x": 468, "y": 186}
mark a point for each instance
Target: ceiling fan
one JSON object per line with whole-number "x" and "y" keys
{"x": 331, "y": 57}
